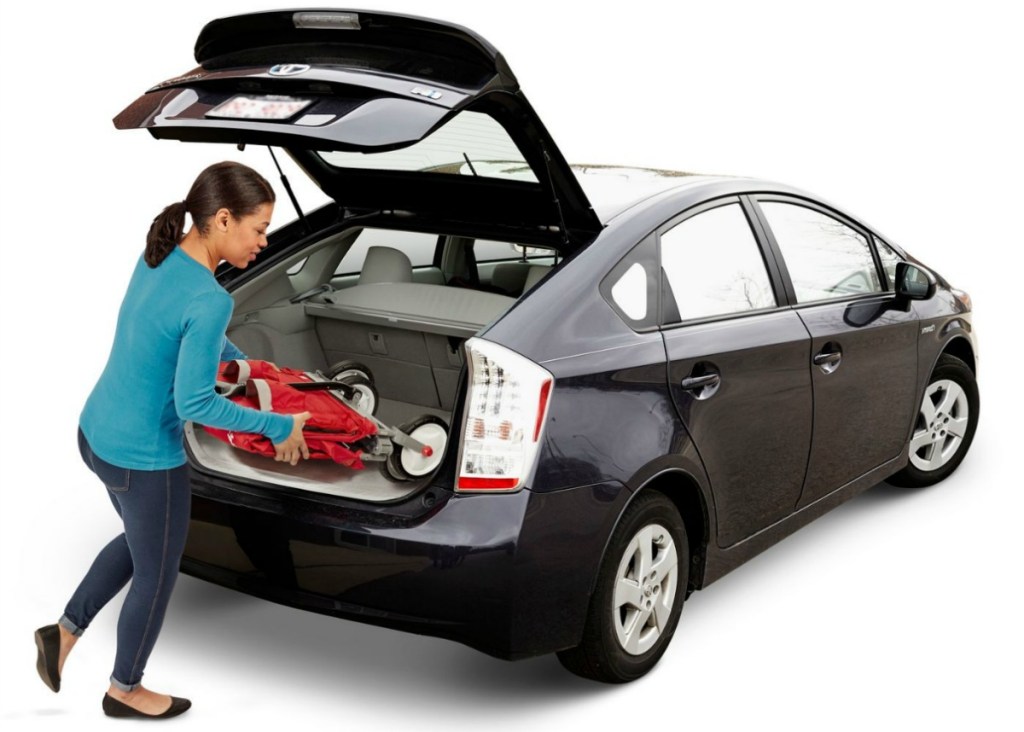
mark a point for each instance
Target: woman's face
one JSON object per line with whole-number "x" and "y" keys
{"x": 243, "y": 238}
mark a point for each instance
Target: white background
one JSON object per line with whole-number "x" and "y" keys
{"x": 900, "y": 609}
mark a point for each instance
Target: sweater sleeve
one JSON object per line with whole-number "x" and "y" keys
{"x": 195, "y": 374}
{"x": 230, "y": 352}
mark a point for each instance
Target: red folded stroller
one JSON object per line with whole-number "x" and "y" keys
{"x": 342, "y": 426}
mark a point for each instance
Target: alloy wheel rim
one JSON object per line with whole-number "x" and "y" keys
{"x": 645, "y": 589}
{"x": 941, "y": 425}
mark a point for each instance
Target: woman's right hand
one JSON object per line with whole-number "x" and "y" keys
{"x": 294, "y": 447}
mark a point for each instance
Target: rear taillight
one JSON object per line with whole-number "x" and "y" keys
{"x": 506, "y": 409}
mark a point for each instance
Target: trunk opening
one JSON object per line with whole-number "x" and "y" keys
{"x": 392, "y": 307}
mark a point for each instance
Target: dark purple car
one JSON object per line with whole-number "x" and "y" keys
{"x": 600, "y": 388}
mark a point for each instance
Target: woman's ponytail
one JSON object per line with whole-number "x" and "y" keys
{"x": 164, "y": 234}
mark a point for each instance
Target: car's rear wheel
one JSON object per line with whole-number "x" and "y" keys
{"x": 638, "y": 597}
{"x": 946, "y": 421}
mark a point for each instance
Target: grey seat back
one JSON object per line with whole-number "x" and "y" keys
{"x": 535, "y": 275}
{"x": 510, "y": 276}
{"x": 384, "y": 264}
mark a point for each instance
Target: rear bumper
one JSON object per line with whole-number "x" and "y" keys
{"x": 508, "y": 574}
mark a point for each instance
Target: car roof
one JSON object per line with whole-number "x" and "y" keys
{"x": 612, "y": 189}
{"x": 653, "y": 195}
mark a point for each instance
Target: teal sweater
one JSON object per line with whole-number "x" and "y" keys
{"x": 162, "y": 368}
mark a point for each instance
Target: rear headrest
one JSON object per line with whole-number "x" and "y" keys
{"x": 510, "y": 276}
{"x": 535, "y": 275}
{"x": 385, "y": 264}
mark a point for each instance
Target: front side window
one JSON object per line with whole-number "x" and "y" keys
{"x": 826, "y": 258}
{"x": 889, "y": 259}
{"x": 713, "y": 265}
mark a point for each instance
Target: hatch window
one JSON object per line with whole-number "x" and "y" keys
{"x": 472, "y": 143}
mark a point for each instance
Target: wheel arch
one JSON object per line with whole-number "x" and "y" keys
{"x": 961, "y": 347}
{"x": 686, "y": 494}
{"x": 684, "y": 491}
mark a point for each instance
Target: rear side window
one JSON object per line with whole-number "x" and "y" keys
{"x": 631, "y": 287}
{"x": 713, "y": 265}
{"x": 826, "y": 258}
{"x": 418, "y": 246}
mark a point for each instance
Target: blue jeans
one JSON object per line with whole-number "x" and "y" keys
{"x": 155, "y": 506}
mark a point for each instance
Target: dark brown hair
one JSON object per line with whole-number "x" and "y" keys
{"x": 236, "y": 187}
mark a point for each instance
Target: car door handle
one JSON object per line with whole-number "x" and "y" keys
{"x": 693, "y": 383}
{"x": 828, "y": 358}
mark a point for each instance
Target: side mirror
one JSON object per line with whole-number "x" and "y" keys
{"x": 913, "y": 282}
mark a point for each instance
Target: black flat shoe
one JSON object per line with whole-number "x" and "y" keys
{"x": 114, "y": 708}
{"x": 48, "y": 643}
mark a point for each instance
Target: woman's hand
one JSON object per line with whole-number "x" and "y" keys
{"x": 294, "y": 447}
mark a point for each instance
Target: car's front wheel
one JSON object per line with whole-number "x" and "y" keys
{"x": 946, "y": 421}
{"x": 639, "y": 594}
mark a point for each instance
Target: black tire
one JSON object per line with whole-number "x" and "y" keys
{"x": 601, "y": 656}
{"x": 385, "y": 468}
{"x": 367, "y": 398}
{"x": 927, "y": 437}
{"x": 398, "y": 465}
{"x": 336, "y": 372}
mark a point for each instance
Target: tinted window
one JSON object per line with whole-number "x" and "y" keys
{"x": 825, "y": 257}
{"x": 630, "y": 292}
{"x": 419, "y": 247}
{"x": 714, "y": 266}
{"x": 631, "y": 287}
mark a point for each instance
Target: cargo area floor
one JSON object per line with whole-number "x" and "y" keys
{"x": 316, "y": 476}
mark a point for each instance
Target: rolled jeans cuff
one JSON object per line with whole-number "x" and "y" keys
{"x": 69, "y": 626}
{"x": 123, "y": 686}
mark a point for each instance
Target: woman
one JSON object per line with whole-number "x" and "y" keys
{"x": 161, "y": 371}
